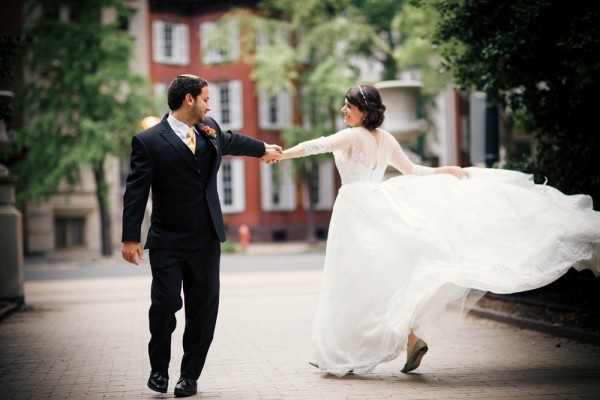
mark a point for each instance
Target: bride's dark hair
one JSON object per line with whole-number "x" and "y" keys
{"x": 368, "y": 100}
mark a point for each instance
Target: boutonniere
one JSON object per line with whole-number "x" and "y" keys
{"x": 209, "y": 131}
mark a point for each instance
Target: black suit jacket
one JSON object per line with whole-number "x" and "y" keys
{"x": 185, "y": 207}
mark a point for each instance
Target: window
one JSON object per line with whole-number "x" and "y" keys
{"x": 278, "y": 187}
{"x": 69, "y": 232}
{"x": 230, "y": 185}
{"x": 322, "y": 185}
{"x": 219, "y": 43}
{"x": 275, "y": 111}
{"x": 226, "y": 104}
{"x": 170, "y": 43}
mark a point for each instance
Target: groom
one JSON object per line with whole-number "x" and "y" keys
{"x": 178, "y": 159}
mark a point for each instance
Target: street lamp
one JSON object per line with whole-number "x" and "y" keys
{"x": 149, "y": 121}
{"x": 11, "y": 238}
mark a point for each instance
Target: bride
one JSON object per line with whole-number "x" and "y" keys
{"x": 402, "y": 252}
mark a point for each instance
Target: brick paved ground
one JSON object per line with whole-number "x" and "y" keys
{"x": 87, "y": 338}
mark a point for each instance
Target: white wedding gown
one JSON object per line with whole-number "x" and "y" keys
{"x": 403, "y": 253}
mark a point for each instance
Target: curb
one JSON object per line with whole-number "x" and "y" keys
{"x": 6, "y": 308}
{"x": 539, "y": 326}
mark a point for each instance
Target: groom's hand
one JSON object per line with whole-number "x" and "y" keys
{"x": 273, "y": 153}
{"x": 130, "y": 251}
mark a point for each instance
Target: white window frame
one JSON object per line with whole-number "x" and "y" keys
{"x": 181, "y": 38}
{"x": 238, "y": 182}
{"x": 286, "y": 189}
{"x": 214, "y": 54}
{"x": 326, "y": 187}
{"x": 236, "y": 116}
{"x": 283, "y": 102}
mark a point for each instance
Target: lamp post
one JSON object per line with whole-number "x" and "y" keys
{"x": 11, "y": 238}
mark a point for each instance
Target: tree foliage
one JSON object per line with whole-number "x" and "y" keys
{"x": 80, "y": 102}
{"x": 542, "y": 58}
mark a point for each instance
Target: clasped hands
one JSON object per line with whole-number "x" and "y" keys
{"x": 273, "y": 154}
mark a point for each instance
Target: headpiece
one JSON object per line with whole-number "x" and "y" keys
{"x": 363, "y": 95}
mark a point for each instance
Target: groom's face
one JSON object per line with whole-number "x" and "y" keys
{"x": 201, "y": 106}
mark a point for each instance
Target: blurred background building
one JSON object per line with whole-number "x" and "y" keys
{"x": 170, "y": 38}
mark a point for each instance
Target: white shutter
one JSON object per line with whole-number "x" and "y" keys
{"x": 263, "y": 110}
{"x": 209, "y": 55}
{"x": 239, "y": 181}
{"x": 266, "y": 186}
{"x": 182, "y": 43}
{"x": 288, "y": 183}
{"x": 205, "y": 32}
{"x": 284, "y": 109}
{"x": 234, "y": 49}
{"x": 158, "y": 41}
{"x": 236, "y": 105}
{"x": 214, "y": 99}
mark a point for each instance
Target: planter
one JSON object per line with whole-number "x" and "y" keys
{"x": 400, "y": 99}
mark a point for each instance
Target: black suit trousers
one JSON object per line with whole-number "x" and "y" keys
{"x": 197, "y": 271}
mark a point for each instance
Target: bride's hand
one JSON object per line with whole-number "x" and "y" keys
{"x": 452, "y": 170}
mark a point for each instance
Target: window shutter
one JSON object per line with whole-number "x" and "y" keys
{"x": 284, "y": 109}
{"x": 183, "y": 44}
{"x": 236, "y": 105}
{"x": 288, "y": 189}
{"x": 239, "y": 184}
{"x": 266, "y": 186}
{"x": 263, "y": 110}
{"x": 215, "y": 102}
{"x": 234, "y": 52}
{"x": 158, "y": 41}
{"x": 205, "y": 30}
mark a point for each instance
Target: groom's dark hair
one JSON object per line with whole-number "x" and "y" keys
{"x": 181, "y": 86}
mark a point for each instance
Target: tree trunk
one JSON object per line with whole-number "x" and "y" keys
{"x": 103, "y": 205}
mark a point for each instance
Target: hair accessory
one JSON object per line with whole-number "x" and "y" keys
{"x": 363, "y": 95}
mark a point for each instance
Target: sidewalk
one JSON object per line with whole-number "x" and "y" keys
{"x": 87, "y": 339}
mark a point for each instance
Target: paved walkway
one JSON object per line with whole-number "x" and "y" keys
{"x": 87, "y": 339}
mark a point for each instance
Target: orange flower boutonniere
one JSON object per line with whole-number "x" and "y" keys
{"x": 209, "y": 131}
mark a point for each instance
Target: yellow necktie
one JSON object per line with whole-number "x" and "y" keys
{"x": 191, "y": 140}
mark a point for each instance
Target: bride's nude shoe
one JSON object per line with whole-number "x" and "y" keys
{"x": 414, "y": 360}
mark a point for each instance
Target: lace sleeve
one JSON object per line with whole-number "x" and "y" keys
{"x": 325, "y": 144}
{"x": 422, "y": 170}
{"x": 402, "y": 163}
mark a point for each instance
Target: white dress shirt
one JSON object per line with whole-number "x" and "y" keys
{"x": 180, "y": 128}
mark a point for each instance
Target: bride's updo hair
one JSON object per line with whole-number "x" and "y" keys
{"x": 368, "y": 100}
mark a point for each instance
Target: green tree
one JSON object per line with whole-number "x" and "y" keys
{"x": 311, "y": 48}
{"x": 81, "y": 103}
{"x": 306, "y": 48}
{"x": 541, "y": 58}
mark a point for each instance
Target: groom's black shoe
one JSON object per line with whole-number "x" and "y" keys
{"x": 158, "y": 381}
{"x": 186, "y": 387}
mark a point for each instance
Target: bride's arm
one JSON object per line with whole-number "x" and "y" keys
{"x": 402, "y": 163}
{"x": 324, "y": 144}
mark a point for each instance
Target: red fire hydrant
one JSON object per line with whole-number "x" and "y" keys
{"x": 244, "y": 233}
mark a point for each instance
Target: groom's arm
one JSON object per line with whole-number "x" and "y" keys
{"x": 237, "y": 144}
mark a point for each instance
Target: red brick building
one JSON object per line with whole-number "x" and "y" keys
{"x": 273, "y": 205}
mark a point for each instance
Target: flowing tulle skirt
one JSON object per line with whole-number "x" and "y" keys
{"x": 411, "y": 252}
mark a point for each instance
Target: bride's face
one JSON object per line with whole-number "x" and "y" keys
{"x": 352, "y": 115}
